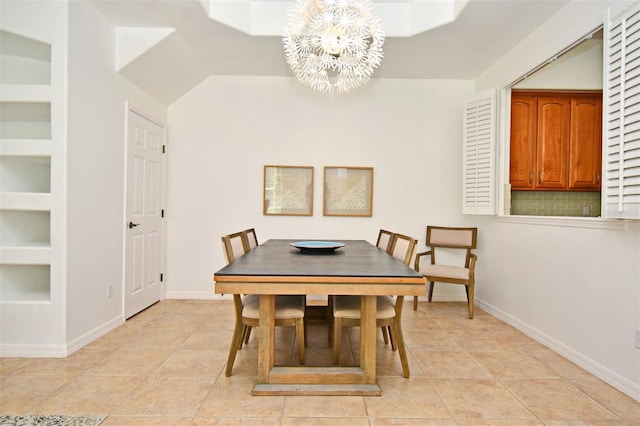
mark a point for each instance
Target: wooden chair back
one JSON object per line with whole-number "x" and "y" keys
{"x": 402, "y": 248}
{"x": 384, "y": 241}
{"x": 452, "y": 237}
{"x": 252, "y": 239}
{"x": 235, "y": 245}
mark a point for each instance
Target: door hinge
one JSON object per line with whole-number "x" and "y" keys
{"x": 163, "y": 148}
{"x": 161, "y": 277}
{"x": 162, "y": 213}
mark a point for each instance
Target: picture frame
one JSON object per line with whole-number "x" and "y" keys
{"x": 288, "y": 191}
{"x": 348, "y": 191}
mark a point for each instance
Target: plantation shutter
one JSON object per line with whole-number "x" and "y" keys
{"x": 478, "y": 153}
{"x": 622, "y": 115}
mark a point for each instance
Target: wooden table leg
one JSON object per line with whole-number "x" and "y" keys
{"x": 368, "y": 309}
{"x": 267, "y": 335}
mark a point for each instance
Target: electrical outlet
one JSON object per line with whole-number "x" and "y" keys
{"x": 638, "y": 338}
{"x": 109, "y": 290}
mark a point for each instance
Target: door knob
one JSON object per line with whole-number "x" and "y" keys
{"x": 133, "y": 225}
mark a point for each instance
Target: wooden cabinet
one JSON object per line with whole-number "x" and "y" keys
{"x": 524, "y": 113}
{"x": 556, "y": 141}
{"x": 586, "y": 144}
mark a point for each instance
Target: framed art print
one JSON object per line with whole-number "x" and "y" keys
{"x": 348, "y": 191}
{"x": 288, "y": 191}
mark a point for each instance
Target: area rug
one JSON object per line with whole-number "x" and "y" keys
{"x": 53, "y": 420}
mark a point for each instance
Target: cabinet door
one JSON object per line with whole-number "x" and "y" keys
{"x": 585, "y": 158}
{"x": 523, "y": 141}
{"x": 553, "y": 143}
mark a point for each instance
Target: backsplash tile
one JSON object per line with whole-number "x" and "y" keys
{"x": 555, "y": 203}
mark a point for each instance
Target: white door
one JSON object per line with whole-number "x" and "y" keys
{"x": 143, "y": 241}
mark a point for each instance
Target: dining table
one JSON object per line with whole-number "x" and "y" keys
{"x": 344, "y": 267}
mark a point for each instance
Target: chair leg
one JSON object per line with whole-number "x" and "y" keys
{"x": 304, "y": 322}
{"x": 247, "y": 334}
{"x": 393, "y": 338}
{"x": 337, "y": 339}
{"x": 300, "y": 337}
{"x": 236, "y": 342}
{"x": 385, "y": 335}
{"x": 415, "y": 303}
{"x": 402, "y": 350}
{"x": 330, "y": 320}
{"x": 431, "y": 285}
{"x": 470, "y": 299}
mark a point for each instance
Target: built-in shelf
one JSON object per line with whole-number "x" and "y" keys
{"x": 24, "y": 60}
{"x": 25, "y": 283}
{"x": 25, "y": 93}
{"x": 25, "y": 120}
{"x": 20, "y": 228}
{"x": 34, "y": 254}
{"x": 25, "y": 174}
{"x": 32, "y": 90}
{"x": 25, "y": 147}
{"x": 25, "y": 201}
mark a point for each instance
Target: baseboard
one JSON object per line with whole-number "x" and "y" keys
{"x": 95, "y": 334}
{"x": 32, "y": 351}
{"x": 59, "y": 351}
{"x": 612, "y": 378}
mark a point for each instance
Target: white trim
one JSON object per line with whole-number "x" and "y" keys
{"x": 569, "y": 222}
{"x": 93, "y": 335}
{"x": 612, "y": 378}
{"x": 32, "y": 351}
{"x": 59, "y": 351}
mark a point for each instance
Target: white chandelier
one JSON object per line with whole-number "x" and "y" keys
{"x": 333, "y": 45}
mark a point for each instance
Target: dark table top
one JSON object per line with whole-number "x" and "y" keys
{"x": 358, "y": 258}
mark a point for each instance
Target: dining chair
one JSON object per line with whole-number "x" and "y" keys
{"x": 252, "y": 239}
{"x": 289, "y": 309}
{"x": 451, "y": 239}
{"x": 346, "y": 309}
{"x": 234, "y": 245}
{"x": 402, "y": 248}
{"x": 384, "y": 240}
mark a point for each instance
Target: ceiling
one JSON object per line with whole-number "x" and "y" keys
{"x": 198, "y": 46}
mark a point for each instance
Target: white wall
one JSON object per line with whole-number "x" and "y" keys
{"x": 578, "y": 69}
{"x": 96, "y": 171}
{"x": 575, "y": 289}
{"x": 225, "y": 130}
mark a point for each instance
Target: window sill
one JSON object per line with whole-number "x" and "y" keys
{"x": 569, "y": 222}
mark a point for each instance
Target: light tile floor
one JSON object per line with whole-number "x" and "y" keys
{"x": 165, "y": 366}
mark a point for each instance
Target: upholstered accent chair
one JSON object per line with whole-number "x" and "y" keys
{"x": 441, "y": 239}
